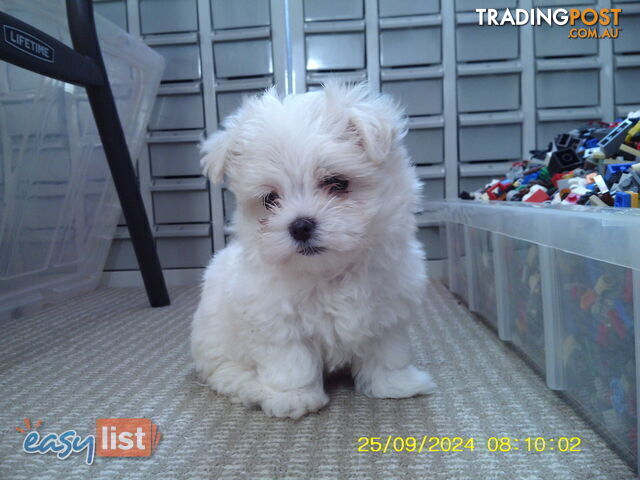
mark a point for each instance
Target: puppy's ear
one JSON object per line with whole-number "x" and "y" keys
{"x": 374, "y": 121}
{"x": 216, "y": 152}
{"x": 372, "y": 132}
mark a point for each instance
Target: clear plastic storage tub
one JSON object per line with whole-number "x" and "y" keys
{"x": 562, "y": 284}
{"x": 58, "y": 205}
{"x": 457, "y": 258}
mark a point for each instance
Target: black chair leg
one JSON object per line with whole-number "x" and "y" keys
{"x": 124, "y": 178}
{"x": 85, "y": 41}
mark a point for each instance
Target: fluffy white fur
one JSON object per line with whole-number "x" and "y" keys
{"x": 271, "y": 320}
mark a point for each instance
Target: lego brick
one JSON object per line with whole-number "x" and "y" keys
{"x": 327, "y": 51}
{"x": 182, "y": 62}
{"x": 536, "y": 196}
{"x": 615, "y": 168}
{"x": 554, "y": 41}
{"x": 611, "y": 143}
{"x": 484, "y": 93}
{"x": 477, "y": 43}
{"x": 630, "y": 150}
{"x": 177, "y": 110}
{"x": 547, "y": 130}
{"x": 489, "y": 142}
{"x": 564, "y": 160}
{"x": 180, "y": 202}
{"x": 418, "y": 97}
{"x": 227, "y": 14}
{"x": 400, "y": 8}
{"x": 432, "y": 242}
{"x": 466, "y": 5}
{"x": 622, "y": 200}
{"x": 633, "y": 132}
{"x": 572, "y": 88}
{"x": 394, "y": 51}
{"x": 184, "y": 246}
{"x": 228, "y": 102}
{"x": 113, "y": 10}
{"x": 170, "y": 158}
{"x": 168, "y": 16}
{"x": 319, "y": 10}
{"x": 629, "y": 40}
{"x": 243, "y": 58}
{"x": 425, "y": 145}
{"x": 627, "y": 81}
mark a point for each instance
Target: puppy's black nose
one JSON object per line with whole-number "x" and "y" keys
{"x": 302, "y": 228}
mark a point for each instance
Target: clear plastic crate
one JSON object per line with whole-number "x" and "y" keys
{"x": 524, "y": 314}
{"x": 456, "y": 260}
{"x": 595, "y": 303}
{"x": 58, "y": 204}
{"x": 443, "y": 273}
{"x": 483, "y": 281}
{"x": 567, "y": 295}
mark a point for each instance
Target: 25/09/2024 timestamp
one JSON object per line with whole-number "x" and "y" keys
{"x": 391, "y": 443}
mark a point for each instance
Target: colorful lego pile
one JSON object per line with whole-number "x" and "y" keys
{"x": 598, "y": 165}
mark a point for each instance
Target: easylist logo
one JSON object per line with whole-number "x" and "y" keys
{"x": 115, "y": 437}
{"x": 584, "y": 22}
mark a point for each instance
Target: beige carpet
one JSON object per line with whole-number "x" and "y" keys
{"x": 106, "y": 354}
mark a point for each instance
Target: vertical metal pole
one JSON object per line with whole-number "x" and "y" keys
{"x": 373, "y": 46}
{"x": 279, "y": 45}
{"x": 143, "y": 162}
{"x": 210, "y": 114}
{"x": 605, "y": 50}
{"x": 450, "y": 112}
{"x": 297, "y": 46}
{"x": 527, "y": 84}
{"x": 133, "y": 17}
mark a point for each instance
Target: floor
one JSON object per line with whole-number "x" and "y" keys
{"x": 107, "y": 355}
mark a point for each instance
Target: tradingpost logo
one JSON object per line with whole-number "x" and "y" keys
{"x": 583, "y": 22}
{"x": 115, "y": 437}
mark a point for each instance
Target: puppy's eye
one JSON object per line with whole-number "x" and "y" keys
{"x": 270, "y": 200}
{"x": 335, "y": 184}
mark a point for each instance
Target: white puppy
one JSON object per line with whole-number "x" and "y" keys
{"x": 325, "y": 270}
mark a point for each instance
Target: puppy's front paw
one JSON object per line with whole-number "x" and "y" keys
{"x": 294, "y": 403}
{"x": 403, "y": 383}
